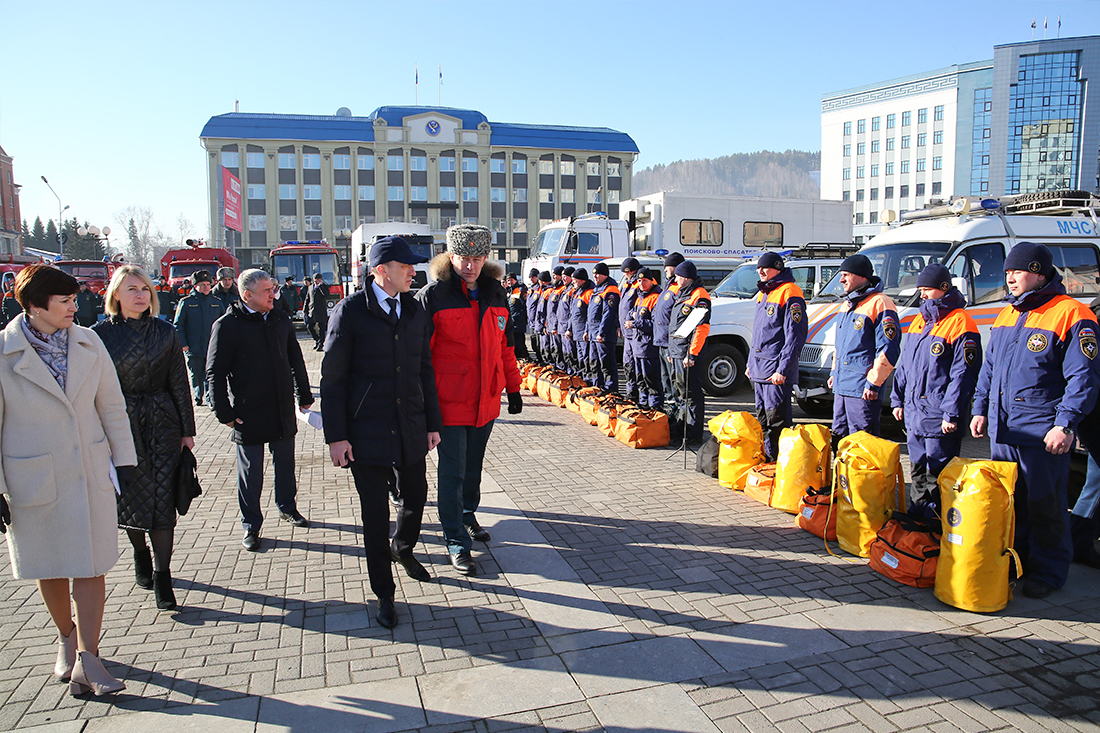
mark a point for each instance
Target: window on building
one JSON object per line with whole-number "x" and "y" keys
{"x": 447, "y": 193}
{"x": 546, "y": 167}
{"x": 418, "y": 162}
{"x": 469, "y": 165}
{"x": 499, "y": 224}
{"x": 861, "y": 126}
{"x": 498, "y": 194}
{"x": 937, "y": 188}
{"x": 469, "y": 193}
{"x": 496, "y": 165}
{"x": 888, "y": 192}
{"x": 847, "y": 129}
{"x": 519, "y": 195}
{"x": 366, "y": 193}
{"x": 861, "y": 148}
{"x": 847, "y": 174}
{"x": 905, "y": 142}
{"x": 366, "y": 162}
{"x": 592, "y": 168}
{"x": 874, "y": 170}
{"x": 594, "y": 197}
{"x": 922, "y": 116}
{"x": 231, "y": 158}
{"x": 937, "y": 113}
{"x": 395, "y": 163}
{"x": 311, "y": 191}
{"x": 446, "y": 163}
{"x": 288, "y": 223}
{"x": 613, "y": 170}
{"x": 937, "y": 163}
{"x": 257, "y": 222}
{"x": 906, "y": 119}
{"x": 395, "y": 193}
{"x": 569, "y": 196}
{"x": 920, "y": 165}
{"x": 920, "y": 189}
{"x": 846, "y": 196}
{"x": 847, "y": 151}
{"x": 418, "y": 193}
{"x": 889, "y": 144}
{"x": 922, "y": 139}
{"x": 859, "y": 171}
{"x": 872, "y": 217}
{"x": 286, "y": 161}
{"x": 860, "y": 193}
{"x": 288, "y": 191}
{"x": 312, "y": 222}
{"x": 890, "y": 168}
{"x": 903, "y": 192}
{"x": 519, "y": 224}
{"x": 254, "y": 160}
{"x": 546, "y": 196}
{"x": 341, "y": 193}
{"x": 519, "y": 166}
{"x": 891, "y": 121}
{"x": 257, "y": 191}
{"x": 874, "y": 194}
{"x": 311, "y": 160}
{"x": 568, "y": 168}
{"x": 937, "y": 137}
{"x": 366, "y": 219}
{"x": 874, "y": 146}
{"x": 341, "y": 162}
{"x": 876, "y": 123}
{"x": 905, "y": 166}
{"x": 342, "y": 222}
{"x": 859, "y": 218}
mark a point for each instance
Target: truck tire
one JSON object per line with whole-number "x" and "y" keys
{"x": 723, "y": 369}
{"x": 815, "y": 408}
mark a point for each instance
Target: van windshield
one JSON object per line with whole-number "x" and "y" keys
{"x": 549, "y": 242}
{"x": 741, "y": 283}
{"x": 898, "y": 265}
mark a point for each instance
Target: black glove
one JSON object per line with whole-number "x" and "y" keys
{"x": 5, "y": 515}
{"x": 515, "y": 403}
{"x": 125, "y": 477}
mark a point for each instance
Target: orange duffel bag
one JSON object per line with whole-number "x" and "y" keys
{"x": 759, "y": 483}
{"x": 589, "y": 405}
{"x": 817, "y": 512}
{"x": 561, "y": 386}
{"x": 542, "y": 388}
{"x": 907, "y": 549}
{"x": 530, "y": 380}
{"x": 640, "y": 428}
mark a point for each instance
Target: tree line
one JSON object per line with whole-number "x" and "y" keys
{"x": 790, "y": 174}
{"x": 141, "y": 241}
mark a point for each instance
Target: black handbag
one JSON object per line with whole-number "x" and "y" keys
{"x": 187, "y": 481}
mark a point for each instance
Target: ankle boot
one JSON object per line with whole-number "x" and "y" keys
{"x": 143, "y": 568}
{"x": 90, "y": 676}
{"x": 66, "y": 655}
{"x": 162, "y": 590}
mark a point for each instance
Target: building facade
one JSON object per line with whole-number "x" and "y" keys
{"x": 304, "y": 177}
{"x": 11, "y": 237}
{"x": 1019, "y": 123}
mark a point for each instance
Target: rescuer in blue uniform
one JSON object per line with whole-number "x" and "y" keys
{"x": 868, "y": 343}
{"x": 552, "y": 332}
{"x": 568, "y": 344}
{"x": 638, "y": 331}
{"x": 778, "y": 335}
{"x": 541, "y": 309}
{"x": 662, "y": 313}
{"x": 534, "y": 294}
{"x": 578, "y": 324}
{"x": 1038, "y": 381}
{"x": 687, "y": 379}
{"x": 603, "y": 328}
{"x": 934, "y": 384}
{"x": 627, "y": 299}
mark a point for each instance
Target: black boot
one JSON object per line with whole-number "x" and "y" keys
{"x": 162, "y": 590}
{"x": 143, "y": 568}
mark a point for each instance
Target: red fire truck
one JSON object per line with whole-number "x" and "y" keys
{"x": 303, "y": 260}
{"x": 97, "y": 273}
{"x": 177, "y": 264}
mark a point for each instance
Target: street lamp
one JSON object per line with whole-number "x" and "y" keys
{"x": 99, "y": 234}
{"x": 60, "y": 211}
{"x": 345, "y": 234}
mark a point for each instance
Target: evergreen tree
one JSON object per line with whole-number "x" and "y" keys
{"x": 49, "y": 238}
{"x": 88, "y": 247}
{"x": 26, "y": 235}
{"x": 38, "y": 236}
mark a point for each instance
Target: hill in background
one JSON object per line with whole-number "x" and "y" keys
{"x": 791, "y": 174}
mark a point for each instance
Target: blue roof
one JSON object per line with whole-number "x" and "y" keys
{"x": 256, "y": 126}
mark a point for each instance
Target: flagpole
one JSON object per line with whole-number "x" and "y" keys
{"x": 439, "y": 86}
{"x": 416, "y": 85}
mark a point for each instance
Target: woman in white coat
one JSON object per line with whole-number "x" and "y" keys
{"x": 62, "y": 423}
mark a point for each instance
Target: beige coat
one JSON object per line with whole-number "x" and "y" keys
{"x": 55, "y": 452}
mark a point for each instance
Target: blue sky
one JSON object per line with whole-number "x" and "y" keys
{"x": 107, "y": 99}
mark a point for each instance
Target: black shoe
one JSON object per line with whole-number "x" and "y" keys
{"x": 1035, "y": 588}
{"x": 478, "y": 532}
{"x": 387, "y": 613}
{"x": 198, "y": 400}
{"x": 162, "y": 590}
{"x": 1089, "y": 558}
{"x": 143, "y": 568}
{"x": 395, "y": 498}
{"x": 251, "y": 541}
{"x": 295, "y": 518}
{"x": 412, "y": 566}
{"x": 463, "y": 563}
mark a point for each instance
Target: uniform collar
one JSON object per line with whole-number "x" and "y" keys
{"x": 1035, "y": 298}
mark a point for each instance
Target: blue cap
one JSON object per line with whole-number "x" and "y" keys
{"x": 393, "y": 249}
{"x": 687, "y": 269}
{"x": 1032, "y": 257}
{"x": 935, "y": 276}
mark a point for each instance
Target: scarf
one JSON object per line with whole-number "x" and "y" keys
{"x": 54, "y": 349}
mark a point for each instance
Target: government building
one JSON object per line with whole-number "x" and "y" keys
{"x": 305, "y": 176}
{"x": 1023, "y": 122}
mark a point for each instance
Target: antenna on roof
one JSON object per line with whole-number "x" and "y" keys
{"x": 236, "y": 105}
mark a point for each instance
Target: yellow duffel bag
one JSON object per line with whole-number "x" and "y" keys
{"x": 870, "y": 485}
{"x": 979, "y": 525}
{"x": 804, "y": 456}
{"x": 740, "y": 446}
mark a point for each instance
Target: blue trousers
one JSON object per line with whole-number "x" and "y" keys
{"x": 852, "y": 414}
{"x": 607, "y": 369}
{"x": 1042, "y": 527}
{"x": 1085, "y": 519}
{"x": 647, "y": 372}
{"x": 584, "y": 363}
{"x": 196, "y": 368}
{"x": 569, "y": 355}
{"x": 632, "y": 386}
{"x": 773, "y": 410}
{"x": 688, "y": 385}
{"x": 250, "y": 479}
{"x": 461, "y": 455}
{"x": 928, "y": 455}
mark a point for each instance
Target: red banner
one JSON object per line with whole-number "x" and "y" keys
{"x": 231, "y": 201}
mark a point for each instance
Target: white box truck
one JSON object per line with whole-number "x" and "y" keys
{"x": 419, "y": 237}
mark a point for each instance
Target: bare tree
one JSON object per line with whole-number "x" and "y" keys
{"x": 138, "y": 222}
{"x": 186, "y": 229}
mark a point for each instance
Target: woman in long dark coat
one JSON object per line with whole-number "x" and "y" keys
{"x": 153, "y": 375}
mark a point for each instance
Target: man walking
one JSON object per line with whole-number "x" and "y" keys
{"x": 778, "y": 335}
{"x": 1038, "y": 382}
{"x": 473, "y": 353}
{"x": 256, "y": 371}
{"x": 868, "y": 345}
{"x": 195, "y": 317}
{"x": 315, "y": 310}
{"x": 517, "y": 306}
{"x": 380, "y": 410}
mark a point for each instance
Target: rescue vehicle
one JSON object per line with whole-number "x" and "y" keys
{"x": 971, "y": 237}
{"x": 301, "y": 260}
{"x": 178, "y": 264}
{"x": 97, "y": 273}
{"x": 419, "y": 237}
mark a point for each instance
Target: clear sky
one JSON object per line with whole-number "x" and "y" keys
{"x": 107, "y": 99}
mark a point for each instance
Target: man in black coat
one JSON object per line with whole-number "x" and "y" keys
{"x": 380, "y": 410}
{"x": 315, "y": 309}
{"x": 255, "y": 355}
{"x": 517, "y": 306}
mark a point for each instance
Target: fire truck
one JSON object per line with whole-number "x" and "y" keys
{"x": 301, "y": 260}
{"x": 97, "y": 273}
{"x": 178, "y": 264}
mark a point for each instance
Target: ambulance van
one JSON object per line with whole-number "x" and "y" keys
{"x": 971, "y": 237}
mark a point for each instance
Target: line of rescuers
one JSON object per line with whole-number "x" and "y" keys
{"x": 577, "y": 321}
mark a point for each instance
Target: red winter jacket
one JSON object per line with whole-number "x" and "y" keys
{"x": 472, "y": 343}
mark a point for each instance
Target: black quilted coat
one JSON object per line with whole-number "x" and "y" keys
{"x": 153, "y": 376}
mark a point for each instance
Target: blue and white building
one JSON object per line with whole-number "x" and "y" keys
{"x": 1021, "y": 122}
{"x": 305, "y": 176}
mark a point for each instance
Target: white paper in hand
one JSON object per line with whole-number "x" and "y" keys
{"x": 694, "y": 319}
{"x": 310, "y": 418}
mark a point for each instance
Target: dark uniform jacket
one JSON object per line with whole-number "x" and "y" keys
{"x": 228, "y": 296}
{"x": 565, "y": 307}
{"x": 532, "y": 298}
{"x": 1040, "y": 369}
{"x": 259, "y": 362}
{"x": 315, "y": 303}
{"x": 517, "y": 306}
{"x": 195, "y": 317}
{"x": 88, "y": 307}
{"x": 603, "y": 312}
{"x": 868, "y": 341}
{"x": 662, "y": 313}
{"x": 578, "y": 316}
{"x": 941, "y": 356}
{"x": 552, "y": 308}
{"x": 641, "y": 316}
{"x": 166, "y": 299}
{"x": 687, "y": 299}
{"x": 778, "y": 329}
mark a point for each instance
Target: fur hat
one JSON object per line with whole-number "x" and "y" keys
{"x": 226, "y": 272}
{"x": 200, "y": 276}
{"x": 469, "y": 240}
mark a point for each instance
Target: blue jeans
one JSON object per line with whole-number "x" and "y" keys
{"x": 1085, "y": 519}
{"x": 461, "y": 454}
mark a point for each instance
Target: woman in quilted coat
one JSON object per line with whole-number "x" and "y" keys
{"x": 153, "y": 375}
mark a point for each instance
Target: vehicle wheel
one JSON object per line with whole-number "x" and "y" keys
{"x": 723, "y": 369}
{"x": 815, "y": 408}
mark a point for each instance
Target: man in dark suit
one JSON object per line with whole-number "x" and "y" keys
{"x": 315, "y": 308}
{"x": 380, "y": 410}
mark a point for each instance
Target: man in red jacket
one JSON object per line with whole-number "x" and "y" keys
{"x": 474, "y": 359}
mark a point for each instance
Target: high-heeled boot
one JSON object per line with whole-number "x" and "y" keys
{"x": 143, "y": 568}
{"x": 162, "y": 590}
{"x": 89, "y": 675}
{"x": 66, "y": 655}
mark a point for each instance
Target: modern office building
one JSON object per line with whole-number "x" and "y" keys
{"x": 1022, "y": 122}
{"x": 11, "y": 238}
{"x": 303, "y": 177}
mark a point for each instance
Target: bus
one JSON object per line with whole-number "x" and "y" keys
{"x": 302, "y": 260}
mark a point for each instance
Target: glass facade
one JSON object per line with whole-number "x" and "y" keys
{"x": 1044, "y": 123}
{"x": 979, "y": 161}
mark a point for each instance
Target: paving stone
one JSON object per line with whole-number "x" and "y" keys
{"x": 637, "y": 664}
{"x": 665, "y": 707}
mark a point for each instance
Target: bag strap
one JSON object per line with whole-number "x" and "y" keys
{"x": 828, "y": 515}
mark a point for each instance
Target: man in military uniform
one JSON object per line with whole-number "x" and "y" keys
{"x": 687, "y": 380}
{"x": 662, "y": 313}
{"x": 627, "y": 301}
{"x": 578, "y": 325}
{"x": 557, "y": 287}
{"x": 1038, "y": 382}
{"x": 517, "y": 306}
{"x": 603, "y": 328}
{"x": 568, "y": 362}
{"x": 195, "y": 316}
{"x": 638, "y": 331}
{"x": 534, "y": 293}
